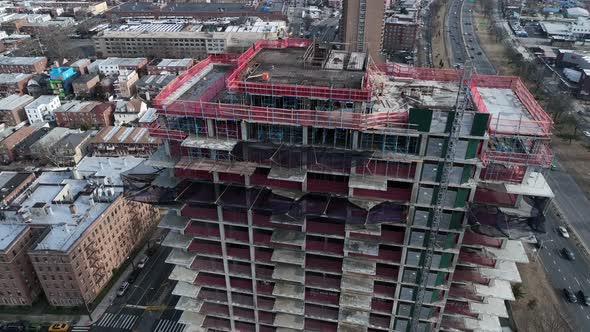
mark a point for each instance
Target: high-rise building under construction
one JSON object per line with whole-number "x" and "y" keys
{"x": 319, "y": 191}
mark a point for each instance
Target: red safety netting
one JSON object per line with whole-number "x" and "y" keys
{"x": 325, "y": 119}
{"x": 236, "y": 84}
{"x": 542, "y": 157}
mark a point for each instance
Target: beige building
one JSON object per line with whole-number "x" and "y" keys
{"x": 18, "y": 282}
{"x": 362, "y": 26}
{"x": 184, "y": 43}
{"x": 125, "y": 83}
{"x": 67, "y": 234}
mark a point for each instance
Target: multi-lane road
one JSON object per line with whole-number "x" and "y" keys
{"x": 461, "y": 38}
{"x": 463, "y": 44}
{"x": 148, "y": 304}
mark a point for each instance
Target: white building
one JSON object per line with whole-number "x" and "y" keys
{"x": 42, "y": 109}
{"x": 127, "y": 112}
{"x": 112, "y": 66}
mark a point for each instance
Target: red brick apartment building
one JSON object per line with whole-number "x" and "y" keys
{"x": 25, "y": 65}
{"x": 91, "y": 114}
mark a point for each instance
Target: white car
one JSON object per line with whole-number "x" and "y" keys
{"x": 563, "y": 232}
{"x": 123, "y": 288}
{"x": 142, "y": 262}
{"x": 586, "y": 133}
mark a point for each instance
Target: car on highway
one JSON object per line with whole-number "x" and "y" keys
{"x": 568, "y": 254}
{"x": 121, "y": 291}
{"x": 584, "y": 299}
{"x": 586, "y": 133}
{"x": 142, "y": 262}
{"x": 569, "y": 295}
{"x": 563, "y": 232}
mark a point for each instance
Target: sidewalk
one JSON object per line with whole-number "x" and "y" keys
{"x": 107, "y": 300}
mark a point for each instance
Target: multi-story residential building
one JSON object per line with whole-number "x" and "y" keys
{"x": 25, "y": 65}
{"x": 60, "y": 80}
{"x": 267, "y": 10}
{"x": 22, "y": 151}
{"x": 43, "y": 149}
{"x": 85, "y": 85}
{"x": 111, "y": 66}
{"x": 86, "y": 232}
{"x": 42, "y": 109}
{"x": 361, "y": 26}
{"x": 12, "y": 109}
{"x": 12, "y": 184}
{"x": 149, "y": 86}
{"x": 13, "y": 83}
{"x": 89, "y": 114}
{"x": 19, "y": 285}
{"x": 9, "y": 144}
{"x": 81, "y": 66}
{"x": 399, "y": 35}
{"x": 125, "y": 85}
{"x": 69, "y": 150}
{"x": 188, "y": 40}
{"x": 169, "y": 66}
{"x": 128, "y": 111}
{"x": 315, "y": 207}
{"x": 124, "y": 141}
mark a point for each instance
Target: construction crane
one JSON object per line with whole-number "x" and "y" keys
{"x": 461, "y": 105}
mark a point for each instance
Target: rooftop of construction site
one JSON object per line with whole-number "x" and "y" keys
{"x": 300, "y": 68}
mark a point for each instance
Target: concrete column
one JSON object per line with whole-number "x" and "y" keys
{"x": 416, "y": 184}
{"x": 304, "y": 133}
{"x": 355, "y": 140}
{"x": 210, "y": 127}
{"x": 244, "y": 128}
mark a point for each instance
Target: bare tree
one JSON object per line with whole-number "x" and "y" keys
{"x": 558, "y": 106}
{"x": 546, "y": 321}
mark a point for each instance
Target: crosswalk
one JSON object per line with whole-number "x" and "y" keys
{"x": 117, "y": 321}
{"x": 166, "y": 325}
{"x": 80, "y": 328}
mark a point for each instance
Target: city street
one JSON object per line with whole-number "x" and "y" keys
{"x": 563, "y": 273}
{"x": 148, "y": 304}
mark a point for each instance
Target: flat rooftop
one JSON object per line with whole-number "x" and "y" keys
{"x": 285, "y": 66}
{"x": 15, "y": 101}
{"x": 9, "y": 233}
{"x": 227, "y": 9}
{"x": 199, "y": 83}
{"x": 20, "y": 60}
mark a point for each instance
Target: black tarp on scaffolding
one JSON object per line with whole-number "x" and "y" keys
{"x": 293, "y": 156}
{"x": 506, "y": 222}
{"x": 148, "y": 184}
{"x": 263, "y": 200}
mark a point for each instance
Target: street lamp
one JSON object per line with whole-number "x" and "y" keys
{"x": 537, "y": 251}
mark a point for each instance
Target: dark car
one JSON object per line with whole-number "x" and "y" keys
{"x": 569, "y": 295}
{"x": 568, "y": 254}
{"x": 584, "y": 299}
{"x": 133, "y": 276}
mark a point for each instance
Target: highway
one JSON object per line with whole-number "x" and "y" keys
{"x": 461, "y": 38}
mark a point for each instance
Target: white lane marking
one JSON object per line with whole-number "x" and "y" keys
{"x": 576, "y": 279}
{"x": 587, "y": 317}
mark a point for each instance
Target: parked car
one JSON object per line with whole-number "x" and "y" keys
{"x": 12, "y": 326}
{"x": 142, "y": 262}
{"x": 59, "y": 327}
{"x": 133, "y": 276}
{"x": 121, "y": 291}
{"x": 569, "y": 295}
{"x": 586, "y": 133}
{"x": 563, "y": 232}
{"x": 584, "y": 299}
{"x": 568, "y": 254}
